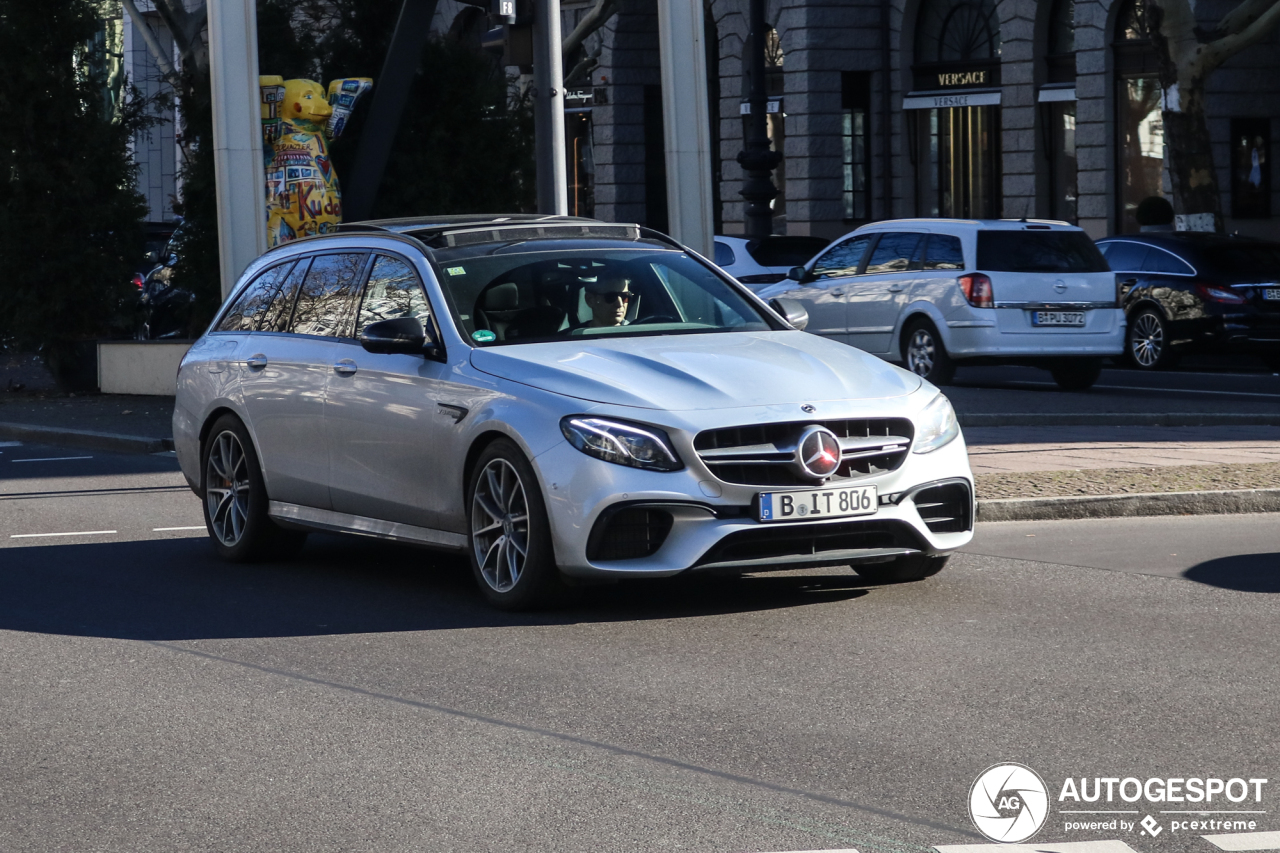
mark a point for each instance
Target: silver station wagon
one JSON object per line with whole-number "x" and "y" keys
{"x": 558, "y": 399}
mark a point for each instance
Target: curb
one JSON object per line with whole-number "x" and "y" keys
{"x": 1128, "y": 506}
{"x": 84, "y": 438}
{"x": 1166, "y": 419}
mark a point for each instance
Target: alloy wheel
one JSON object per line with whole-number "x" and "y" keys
{"x": 921, "y": 352}
{"x": 226, "y": 490}
{"x": 500, "y": 525}
{"x": 1147, "y": 343}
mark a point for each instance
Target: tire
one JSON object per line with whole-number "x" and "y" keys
{"x": 912, "y": 567}
{"x": 1146, "y": 341}
{"x": 235, "y": 498}
{"x": 924, "y": 353}
{"x": 1077, "y": 374}
{"x": 505, "y": 512}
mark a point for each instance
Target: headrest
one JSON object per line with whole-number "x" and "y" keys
{"x": 502, "y": 297}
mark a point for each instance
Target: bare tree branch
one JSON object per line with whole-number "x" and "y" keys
{"x": 1217, "y": 52}
{"x": 186, "y": 27}
{"x": 149, "y": 38}
{"x": 1242, "y": 16}
{"x": 592, "y": 21}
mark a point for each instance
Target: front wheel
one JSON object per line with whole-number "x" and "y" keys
{"x": 1077, "y": 374}
{"x": 911, "y": 567}
{"x": 925, "y": 354}
{"x": 235, "y": 498}
{"x": 511, "y": 553}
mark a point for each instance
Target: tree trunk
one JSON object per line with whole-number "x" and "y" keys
{"x": 1191, "y": 173}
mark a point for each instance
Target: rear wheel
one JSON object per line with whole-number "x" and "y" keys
{"x": 511, "y": 553}
{"x": 235, "y": 498}
{"x": 1147, "y": 341}
{"x": 924, "y": 353}
{"x": 912, "y": 567}
{"x": 1077, "y": 374}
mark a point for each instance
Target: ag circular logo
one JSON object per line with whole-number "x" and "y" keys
{"x": 818, "y": 453}
{"x": 1008, "y": 803}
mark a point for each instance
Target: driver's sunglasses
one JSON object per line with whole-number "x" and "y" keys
{"x": 625, "y": 296}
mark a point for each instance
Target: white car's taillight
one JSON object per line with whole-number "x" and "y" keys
{"x": 977, "y": 289}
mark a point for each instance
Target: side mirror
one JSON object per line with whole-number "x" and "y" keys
{"x": 403, "y": 335}
{"x": 799, "y": 274}
{"x": 152, "y": 257}
{"x": 792, "y": 310}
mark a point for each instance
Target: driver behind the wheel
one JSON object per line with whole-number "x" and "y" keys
{"x": 608, "y": 295}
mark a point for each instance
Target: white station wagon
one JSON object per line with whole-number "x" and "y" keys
{"x": 940, "y": 293}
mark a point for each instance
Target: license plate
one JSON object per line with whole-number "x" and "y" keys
{"x": 841, "y": 502}
{"x": 1057, "y": 318}
{"x": 1271, "y": 294}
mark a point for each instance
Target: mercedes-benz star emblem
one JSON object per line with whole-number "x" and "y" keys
{"x": 1060, "y": 286}
{"x": 817, "y": 452}
{"x": 809, "y": 407}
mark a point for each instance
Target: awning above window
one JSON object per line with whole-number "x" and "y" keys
{"x": 952, "y": 98}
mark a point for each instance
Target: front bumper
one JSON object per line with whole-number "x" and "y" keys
{"x": 711, "y": 525}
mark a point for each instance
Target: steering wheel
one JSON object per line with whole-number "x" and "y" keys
{"x": 655, "y": 318}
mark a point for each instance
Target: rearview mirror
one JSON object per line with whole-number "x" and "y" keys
{"x": 792, "y": 310}
{"x": 799, "y": 274}
{"x": 403, "y": 335}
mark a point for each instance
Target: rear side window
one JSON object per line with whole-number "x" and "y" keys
{"x": 254, "y": 300}
{"x": 1244, "y": 259}
{"x": 276, "y": 317}
{"x": 844, "y": 259}
{"x": 1039, "y": 251}
{"x": 1158, "y": 260}
{"x": 724, "y": 255}
{"x": 893, "y": 253}
{"x": 1125, "y": 256}
{"x": 944, "y": 253}
{"x": 784, "y": 251}
{"x": 328, "y": 295}
{"x": 393, "y": 292}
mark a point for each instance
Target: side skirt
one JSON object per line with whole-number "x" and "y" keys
{"x": 324, "y": 519}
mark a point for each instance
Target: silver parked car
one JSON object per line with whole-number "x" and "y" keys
{"x": 556, "y": 397}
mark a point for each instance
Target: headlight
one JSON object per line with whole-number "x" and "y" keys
{"x": 936, "y": 426}
{"x": 621, "y": 443}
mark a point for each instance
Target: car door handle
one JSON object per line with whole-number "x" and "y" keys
{"x": 897, "y": 288}
{"x": 345, "y": 367}
{"x": 837, "y": 292}
{"x": 257, "y": 362}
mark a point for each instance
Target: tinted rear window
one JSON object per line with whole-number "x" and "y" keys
{"x": 1245, "y": 259}
{"x": 1039, "y": 251}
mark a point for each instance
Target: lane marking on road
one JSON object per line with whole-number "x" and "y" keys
{"x": 52, "y": 459}
{"x": 10, "y": 443}
{"x": 74, "y": 533}
{"x": 1245, "y": 841}
{"x": 1062, "y": 847}
{"x": 167, "y": 529}
{"x": 1138, "y": 388}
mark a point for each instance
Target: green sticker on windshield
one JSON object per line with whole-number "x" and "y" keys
{"x": 484, "y": 336}
{"x": 456, "y": 271}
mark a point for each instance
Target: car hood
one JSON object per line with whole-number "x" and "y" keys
{"x": 713, "y": 371}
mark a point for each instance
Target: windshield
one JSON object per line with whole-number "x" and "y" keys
{"x": 1039, "y": 251}
{"x": 555, "y": 295}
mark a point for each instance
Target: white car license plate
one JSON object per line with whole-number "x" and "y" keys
{"x": 1057, "y": 318}
{"x": 1271, "y": 294}
{"x": 841, "y": 502}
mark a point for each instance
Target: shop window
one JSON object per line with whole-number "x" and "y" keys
{"x": 855, "y": 137}
{"x": 1139, "y": 125}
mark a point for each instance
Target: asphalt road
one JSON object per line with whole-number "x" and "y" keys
{"x": 361, "y": 698}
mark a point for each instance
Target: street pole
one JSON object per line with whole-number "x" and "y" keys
{"x": 548, "y": 109}
{"x": 757, "y": 159}
{"x": 237, "y": 136}
{"x": 686, "y": 123}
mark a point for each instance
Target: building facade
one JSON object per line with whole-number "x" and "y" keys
{"x": 966, "y": 108}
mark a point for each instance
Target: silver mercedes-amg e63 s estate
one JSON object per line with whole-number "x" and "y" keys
{"x": 558, "y": 398}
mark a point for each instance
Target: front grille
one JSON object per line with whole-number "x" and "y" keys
{"x": 763, "y": 454}
{"x": 819, "y": 541}
{"x": 945, "y": 508}
{"x": 628, "y": 534}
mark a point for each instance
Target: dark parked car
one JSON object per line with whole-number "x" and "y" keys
{"x": 1185, "y": 290}
{"x": 164, "y": 308}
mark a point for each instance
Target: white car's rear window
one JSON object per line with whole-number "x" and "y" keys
{"x": 1039, "y": 251}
